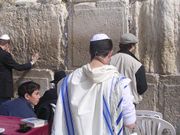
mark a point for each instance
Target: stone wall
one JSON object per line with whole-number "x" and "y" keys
{"x": 157, "y": 24}
{"x": 36, "y": 27}
{"x": 88, "y": 18}
{"x": 60, "y": 32}
{"x": 41, "y": 76}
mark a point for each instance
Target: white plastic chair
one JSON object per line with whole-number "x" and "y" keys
{"x": 147, "y": 125}
{"x": 149, "y": 113}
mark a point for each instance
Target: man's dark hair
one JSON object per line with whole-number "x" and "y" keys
{"x": 126, "y": 47}
{"x": 4, "y": 42}
{"x": 27, "y": 87}
{"x": 100, "y": 48}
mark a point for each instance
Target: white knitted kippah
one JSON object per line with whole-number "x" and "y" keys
{"x": 98, "y": 37}
{"x": 5, "y": 37}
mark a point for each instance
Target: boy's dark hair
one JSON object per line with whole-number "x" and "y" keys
{"x": 4, "y": 42}
{"x": 100, "y": 48}
{"x": 27, "y": 87}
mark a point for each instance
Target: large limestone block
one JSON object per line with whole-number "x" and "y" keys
{"x": 169, "y": 93}
{"x": 88, "y": 19}
{"x": 150, "y": 97}
{"x": 158, "y": 30}
{"x": 36, "y": 28}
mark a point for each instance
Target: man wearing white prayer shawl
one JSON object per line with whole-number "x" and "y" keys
{"x": 94, "y": 99}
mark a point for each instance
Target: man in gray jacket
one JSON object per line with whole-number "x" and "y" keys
{"x": 130, "y": 66}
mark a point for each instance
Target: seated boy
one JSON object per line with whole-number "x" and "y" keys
{"x": 29, "y": 95}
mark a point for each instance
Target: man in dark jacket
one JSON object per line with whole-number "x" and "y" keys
{"x": 44, "y": 108}
{"x": 7, "y": 63}
{"x": 130, "y": 66}
{"x": 29, "y": 95}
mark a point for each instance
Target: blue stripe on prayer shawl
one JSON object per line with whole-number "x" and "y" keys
{"x": 107, "y": 116}
{"x": 66, "y": 107}
{"x": 120, "y": 102}
{"x": 121, "y": 78}
{"x": 119, "y": 118}
{"x": 120, "y": 130}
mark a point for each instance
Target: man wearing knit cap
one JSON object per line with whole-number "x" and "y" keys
{"x": 94, "y": 99}
{"x": 130, "y": 66}
{"x": 7, "y": 63}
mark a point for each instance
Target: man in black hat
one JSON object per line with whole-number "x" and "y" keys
{"x": 44, "y": 107}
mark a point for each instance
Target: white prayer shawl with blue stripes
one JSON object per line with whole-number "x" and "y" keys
{"x": 89, "y": 102}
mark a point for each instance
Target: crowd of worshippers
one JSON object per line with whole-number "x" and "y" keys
{"x": 97, "y": 98}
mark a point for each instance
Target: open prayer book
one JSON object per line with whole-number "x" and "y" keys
{"x": 34, "y": 122}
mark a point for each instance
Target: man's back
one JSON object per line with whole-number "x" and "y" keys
{"x": 94, "y": 99}
{"x": 91, "y": 102}
{"x": 128, "y": 66}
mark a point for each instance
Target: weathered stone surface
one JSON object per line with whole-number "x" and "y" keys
{"x": 36, "y": 28}
{"x": 149, "y": 99}
{"x": 88, "y": 19}
{"x": 170, "y": 79}
{"x": 41, "y": 76}
{"x": 152, "y": 78}
{"x": 169, "y": 104}
{"x": 25, "y": 1}
{"x": 82, "y": 1}
{"x": 158, "y": 31}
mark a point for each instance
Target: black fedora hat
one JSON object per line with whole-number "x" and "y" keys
{"x": 58, "y": 75}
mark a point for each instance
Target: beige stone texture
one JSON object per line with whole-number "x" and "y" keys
{"x": 40, "y": 76}
{"x": 157, "y": 23}
{"x": 82, "y": 1}
{"x": 36, "y": 28}
{"x": 169, "y": 99}
{"x": 150, "y": 97}
{"x": 91, "y": 18}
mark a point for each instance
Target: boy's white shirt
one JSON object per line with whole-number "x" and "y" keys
{"x": 85, "y": 98}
